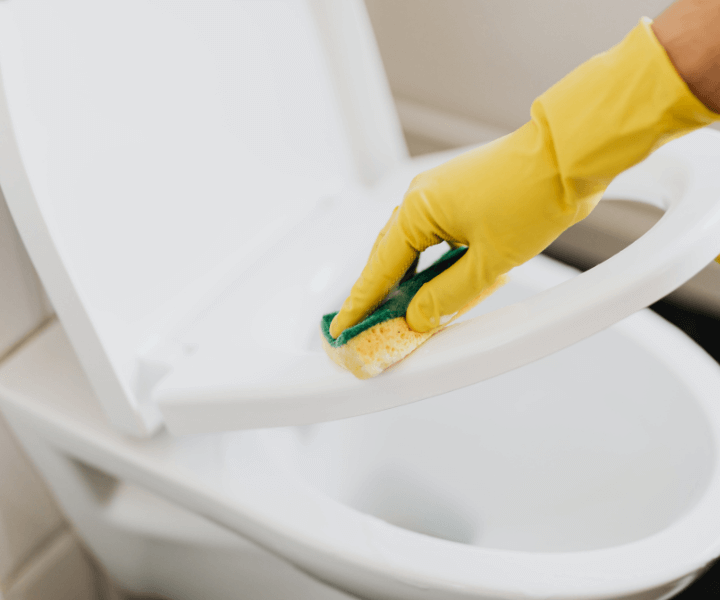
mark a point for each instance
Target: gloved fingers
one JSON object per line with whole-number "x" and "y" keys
{"x": 446, "y": 294}
{"x": 384, "y": 230}
{"x": 392, "y": 257}
{"x": 413, "y": 267}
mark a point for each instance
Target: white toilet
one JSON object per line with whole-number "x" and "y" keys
{"x": 180, "y": 172}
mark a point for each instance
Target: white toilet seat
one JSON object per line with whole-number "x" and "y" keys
{"x": 173, "y": 305}
{"x": 232, "y": 379}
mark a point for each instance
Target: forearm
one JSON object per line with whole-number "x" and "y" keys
{"x": 509, "y": 199}
{"x": 689, "y": 30}
{"x": 614, "y": 110}
{"x": 523, "y": 190}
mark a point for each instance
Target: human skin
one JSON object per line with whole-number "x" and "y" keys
{"x": 689, "y": 30}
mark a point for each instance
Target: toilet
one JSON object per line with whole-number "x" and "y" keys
{"x": 180, "y": 173}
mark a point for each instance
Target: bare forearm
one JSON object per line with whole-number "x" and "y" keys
{"x": 689, "y": 30}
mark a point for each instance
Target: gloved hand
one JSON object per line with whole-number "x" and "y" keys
{"x": 508, "y": 200}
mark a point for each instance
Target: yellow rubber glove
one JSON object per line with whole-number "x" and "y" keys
{"x": 508, "y": 200}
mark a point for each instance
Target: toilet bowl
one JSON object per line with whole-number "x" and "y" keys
{"x": 592, "y": 473}
{"x": 554, "y": 443}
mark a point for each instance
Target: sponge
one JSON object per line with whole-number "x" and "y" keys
{"x": 384, "y": 337}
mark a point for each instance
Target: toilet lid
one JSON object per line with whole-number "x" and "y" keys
{"x": 181, "y": 171}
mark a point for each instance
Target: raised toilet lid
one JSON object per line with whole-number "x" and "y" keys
{"x": 181, "y": 171}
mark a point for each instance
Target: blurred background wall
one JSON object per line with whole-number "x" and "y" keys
{"x": 463, "y": 69}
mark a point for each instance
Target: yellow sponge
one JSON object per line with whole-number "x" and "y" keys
{"x": 384, "y": 343}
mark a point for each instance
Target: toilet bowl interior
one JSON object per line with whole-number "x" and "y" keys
{"x": 433, "y": 494}
{"x": 598, "y": 445}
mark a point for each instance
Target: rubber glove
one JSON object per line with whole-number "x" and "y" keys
{"x": 508, "y": 200}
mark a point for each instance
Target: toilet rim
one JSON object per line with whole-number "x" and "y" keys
{"x": 326, "y": 538}
{"x": 685, "y": 546}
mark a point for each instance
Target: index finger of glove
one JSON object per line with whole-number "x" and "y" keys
{"x": 391, "y": 257}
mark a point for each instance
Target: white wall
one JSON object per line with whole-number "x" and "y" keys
{"x": 464, "y": 63}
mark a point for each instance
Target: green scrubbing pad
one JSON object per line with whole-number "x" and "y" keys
{"x": 397, "y": 301}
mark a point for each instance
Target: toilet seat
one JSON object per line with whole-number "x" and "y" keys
{"x": 211, "y": 389}
{"x": 175, "y": 306}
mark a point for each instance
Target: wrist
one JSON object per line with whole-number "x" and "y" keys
{"x": 689, "y": 31}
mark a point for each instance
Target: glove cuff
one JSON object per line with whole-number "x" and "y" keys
{"x": 615, "y": 109}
